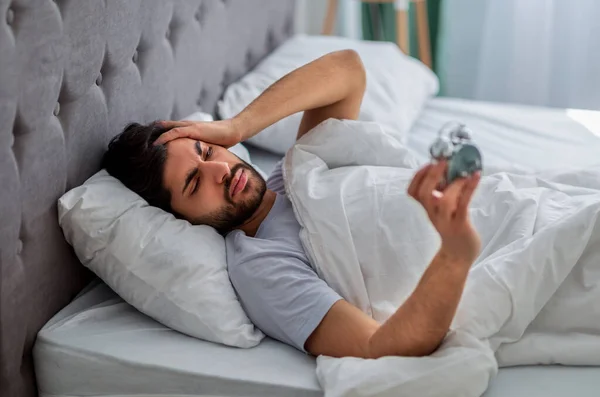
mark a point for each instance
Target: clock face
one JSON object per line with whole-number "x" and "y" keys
{"x": 465, "y": 161}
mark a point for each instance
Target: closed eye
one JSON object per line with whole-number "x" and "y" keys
{"x": 209, "y": 153}
{"x": 195, "y": 189}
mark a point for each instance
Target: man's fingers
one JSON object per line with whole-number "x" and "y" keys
{"x": 427, "y": 195}
{"x": 174, "y": 130}
{"x": 170, "y": 135}
{"x": 174, "y": 124}
{"x": 430, "y": 181}
{"x": 466, "y": 195}
{"x": 413, "y": 188}
{"x": 449, "y": 201}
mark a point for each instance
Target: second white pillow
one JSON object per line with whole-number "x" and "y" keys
{"x": 397, "y": 86}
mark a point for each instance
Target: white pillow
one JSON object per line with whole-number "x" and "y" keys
{"x": 165, "y": 267}
{"x": 397, "y": 86}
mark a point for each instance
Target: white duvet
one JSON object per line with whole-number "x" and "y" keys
{"x": 531, "y": 296}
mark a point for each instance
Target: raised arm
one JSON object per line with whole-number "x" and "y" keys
{"x": 419, "y": 326}
{"x": 329, "y": 87}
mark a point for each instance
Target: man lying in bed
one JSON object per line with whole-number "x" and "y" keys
{"x": 185, "y": 168}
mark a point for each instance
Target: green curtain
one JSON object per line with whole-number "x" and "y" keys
{"x": 379, "y": 24}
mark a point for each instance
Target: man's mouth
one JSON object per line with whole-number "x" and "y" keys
{"x": 238, "y": 183}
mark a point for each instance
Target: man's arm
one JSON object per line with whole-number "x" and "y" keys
{"x": 329, "y": 87}
{"x": 416, "y": 329}
{"x": 419, "y": 326}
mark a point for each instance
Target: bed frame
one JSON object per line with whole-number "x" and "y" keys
{"x": 73, "y": 73}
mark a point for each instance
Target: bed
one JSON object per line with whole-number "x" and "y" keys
{"x": 99, "y": 333}
{"x": 115, "y": 62}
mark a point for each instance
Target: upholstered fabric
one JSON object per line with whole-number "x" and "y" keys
{"x": 73, "y": 73}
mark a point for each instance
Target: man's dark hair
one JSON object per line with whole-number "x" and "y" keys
{"x": 133, "y": 158}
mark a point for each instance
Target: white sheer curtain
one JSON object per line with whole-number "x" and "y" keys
{"x": 539, "y": 52}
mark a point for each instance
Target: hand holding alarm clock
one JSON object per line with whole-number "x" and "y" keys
{"x": 444, "y": 189}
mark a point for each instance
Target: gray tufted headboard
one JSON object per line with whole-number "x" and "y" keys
{"x": 73, "y": 73}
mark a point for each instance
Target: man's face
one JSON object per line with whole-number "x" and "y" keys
{"x": 209, "y": 185}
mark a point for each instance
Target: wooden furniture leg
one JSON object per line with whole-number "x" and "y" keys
{"x": 423, "y": 32}
{"x": 402, "y": 30}
{"x": 401, "y": 26}
{"x": 329, "y": 22}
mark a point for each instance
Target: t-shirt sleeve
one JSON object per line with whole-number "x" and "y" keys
{"x": 283, "y": 297}
{"x": 275, "y": 180}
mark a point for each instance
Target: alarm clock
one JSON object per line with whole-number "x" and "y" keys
{"x": 455, "y": 144}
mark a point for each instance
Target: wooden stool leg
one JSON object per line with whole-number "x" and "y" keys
{"x": 329, "y": 22}
{"x": 423, "y": 32}
{"x": 402, "y": 30}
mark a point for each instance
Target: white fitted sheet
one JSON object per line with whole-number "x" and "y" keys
{"x": 99, "y": 345}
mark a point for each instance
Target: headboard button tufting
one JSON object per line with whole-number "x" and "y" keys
{"x": 135, "y": 56}
{"x": 19, "y": 248}
{"x": 289, "y": 26}
{"x": 99, "y": 79}
{"x": 10, "y": 16}
{"x": 168, "y": 33}
{"x": 227, "y": 79}
{"x": 202, "y": 97}
{"x": 249, "y": 60}
{"x": 271, "y": 41}
{"x": 202, "y": 11}
{"x": 56, "y": 111}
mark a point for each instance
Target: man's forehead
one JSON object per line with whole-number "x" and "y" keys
{"x": 179, "y": 143}
{"x": 181, "y": 156}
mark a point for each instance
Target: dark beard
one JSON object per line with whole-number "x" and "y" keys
{"x": 233, "y": 215}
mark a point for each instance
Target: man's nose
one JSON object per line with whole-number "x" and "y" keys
{"x": 217, "y": 170}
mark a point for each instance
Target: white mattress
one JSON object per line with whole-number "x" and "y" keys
{"x": 515, "y": 136}
{"x": 99, "y": 345}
